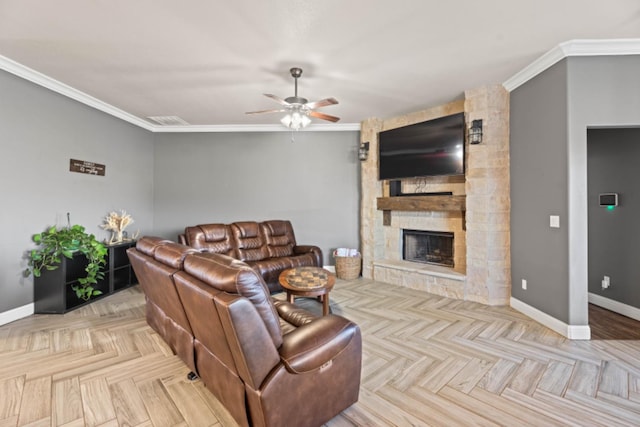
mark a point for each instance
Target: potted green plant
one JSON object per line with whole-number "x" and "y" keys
{"x": 56, "y": 243}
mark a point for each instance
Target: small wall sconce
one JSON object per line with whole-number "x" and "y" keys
{"x": 363, "y": 151}
{"x": 475, "y": 132}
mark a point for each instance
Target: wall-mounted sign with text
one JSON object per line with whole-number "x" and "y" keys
{"x": 82, "y": 166}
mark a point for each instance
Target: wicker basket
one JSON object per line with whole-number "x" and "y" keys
{"x": 348, "y": 267}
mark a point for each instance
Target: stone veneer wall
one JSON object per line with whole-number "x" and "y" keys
{"x": 482, "y": 252}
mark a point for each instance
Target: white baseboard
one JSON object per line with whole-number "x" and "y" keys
{"x": 16, "y": 314}
{"x": 573, "y": 332}
{"x": 615, "y": 306}
{"x": 331, "y": 268}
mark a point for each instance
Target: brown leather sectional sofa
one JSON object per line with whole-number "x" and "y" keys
{"x": 268, "y": 247}
{"x": 268, "y": 362}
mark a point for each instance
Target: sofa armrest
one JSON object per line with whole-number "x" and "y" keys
{"x": 305, "y": 249}
{"x": 317, "y": 343}
{"x": 292, "y": 314}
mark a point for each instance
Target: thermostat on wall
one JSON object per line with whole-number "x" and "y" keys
{"x": 608, "y": 199}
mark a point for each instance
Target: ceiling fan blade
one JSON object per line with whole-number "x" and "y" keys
{"x": 277, "y": 99}
{"x": 265, "y": 111}
{"x": 321, "y": 103}
{"x": 323, "y": 116}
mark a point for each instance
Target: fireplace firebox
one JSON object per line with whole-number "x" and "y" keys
{"x": 429, "y": 247}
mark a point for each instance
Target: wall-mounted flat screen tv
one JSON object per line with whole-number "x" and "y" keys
{"x": 431, "y": 148}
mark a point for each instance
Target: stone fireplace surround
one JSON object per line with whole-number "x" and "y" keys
{"x": 481, "y": 270}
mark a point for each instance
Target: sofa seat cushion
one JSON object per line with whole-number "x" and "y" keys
{"x": 303, "y": 260}
{"x": 270, "y": 270}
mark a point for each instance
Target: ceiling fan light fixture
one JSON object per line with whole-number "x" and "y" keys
{"x": 299, "y": 109}
{"x": 295, "y": 120}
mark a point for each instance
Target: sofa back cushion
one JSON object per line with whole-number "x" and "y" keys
{"x": 214, "y": 238}
{"x": 249, "y": 241}
{"x": 173, "y": 254}
{"x": 148, "y": 244}
{"x": 279, "y": 237}
{"x": 235, "y": 277}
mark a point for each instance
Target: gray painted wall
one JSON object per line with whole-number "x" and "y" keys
{"x": 576, "y": 94}
{"x": 538, "y": 153}
{"x": 603, "y": 92}
{"x": 227, "y": 177}
{"x": 39, "y": 132}
{"x": 200, "y": 178}
{"x": 612, "y": 165}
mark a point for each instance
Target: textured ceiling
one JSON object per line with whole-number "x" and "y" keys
{"x": 209, "y": 62}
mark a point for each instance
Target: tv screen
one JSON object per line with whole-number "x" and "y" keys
{"x": 431, "y": 148}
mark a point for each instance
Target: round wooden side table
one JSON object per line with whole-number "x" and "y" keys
{"x": 308, "y": 282}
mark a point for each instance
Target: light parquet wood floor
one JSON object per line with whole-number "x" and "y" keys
{"x": 427, "y": 361}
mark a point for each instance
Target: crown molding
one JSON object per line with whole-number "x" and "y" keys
{"x": 335, "y": 127}
{"x": 40, "y": 79}
{"x": 47, "y": 82}
{"x": 573, "y": 48}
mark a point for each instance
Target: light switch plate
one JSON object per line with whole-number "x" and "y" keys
{"x": 554, "y": 221}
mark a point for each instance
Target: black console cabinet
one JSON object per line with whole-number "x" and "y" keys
{"x": 52, "y": 290}
{"x": 121, "y": 273}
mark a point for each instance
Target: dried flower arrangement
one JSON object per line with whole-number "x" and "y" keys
{"x": 116, "y": 222}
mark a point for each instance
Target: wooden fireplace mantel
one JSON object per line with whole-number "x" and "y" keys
{"x": 422, "y": 203}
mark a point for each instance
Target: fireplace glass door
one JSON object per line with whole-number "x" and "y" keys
{"x": 430, "y": 247}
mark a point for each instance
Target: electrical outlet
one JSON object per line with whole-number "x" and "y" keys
{"x": 524, "y": 284}
{"x": 606, "y": 282}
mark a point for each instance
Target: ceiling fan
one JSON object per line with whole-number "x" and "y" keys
{"x": 299, "y": 109}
